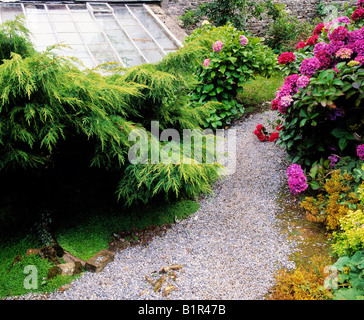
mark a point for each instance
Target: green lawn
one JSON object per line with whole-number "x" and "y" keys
{"x": 258, "y": 92}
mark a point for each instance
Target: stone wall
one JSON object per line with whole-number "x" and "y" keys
{"x": 303, "y": 9}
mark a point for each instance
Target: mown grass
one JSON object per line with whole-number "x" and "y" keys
{"x": 258, "y": 93}
{"x": 82, "y": 236}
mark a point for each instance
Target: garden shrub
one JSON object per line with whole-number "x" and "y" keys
{"x": 306, "y": 282}
{"x": 236, "y": 12}
{"x": 350, "y": 237}
{"x": 286, "y": 31}
{"x": 14, "y": 37}
{"x": 323, "y": 98}
{"x": 330, "y": 206}
{"x": 350, "y": 282}
{"x": 233, "y": 60}
{"x": 65, "y": 132}
{"x": 320, "y": 101}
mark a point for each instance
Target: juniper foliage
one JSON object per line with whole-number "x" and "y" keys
{"x": 64, "y": 131}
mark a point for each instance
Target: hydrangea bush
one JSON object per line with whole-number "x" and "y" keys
{"x": 321, "y": 99}
{"x": 233, "y": 59}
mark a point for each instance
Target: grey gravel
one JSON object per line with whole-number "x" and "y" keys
{"x": 230, "y": 248}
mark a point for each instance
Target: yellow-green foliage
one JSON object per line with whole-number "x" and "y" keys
{"x": 55, "y": 118}
{"x": 303, "y": 283}
{"x": 351, "y": 236}
{"x": 329, "y": 207}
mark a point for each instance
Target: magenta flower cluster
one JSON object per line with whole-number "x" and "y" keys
{"x": 320, "y": 46}
{"x": 343, "y": 45}
{"x": 360, "y": 151}
{"x": 339, "y": 34}
{"x": 333, "y": 160}
{"x": 309, "y": 66}
{"x": 303, "y": 81}
{"x": 284, "y": 94}
{"x": 297, "y": 180}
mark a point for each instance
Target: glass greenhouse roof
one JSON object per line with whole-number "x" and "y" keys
{"x": 97, "y": 32}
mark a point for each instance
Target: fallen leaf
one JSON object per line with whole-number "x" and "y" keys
{"x": 140, "y": 294}
{"x": 149, "y": 280}
{"x": 168, "y": 289}
{"x": 175, "y": 267}
{"x": 159, "y": 283}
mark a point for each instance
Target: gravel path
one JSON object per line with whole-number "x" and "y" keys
{"x": 229, "y": 249}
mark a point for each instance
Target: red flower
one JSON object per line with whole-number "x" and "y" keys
{"x": 357, "y": 14}
{"x": 259, "y": 127}
{"x": 257, "y": 132}
{"x": 301, "y": 45}
{"x": 312, "y": 40}
{"x": 286, "y": 57}
{"x": 262, "y": 137}
{"x": 280, "y": 127}
{"x": 273, "y": 137}
{"x": 275, "y": 104}
{"x": 318, "y": 29}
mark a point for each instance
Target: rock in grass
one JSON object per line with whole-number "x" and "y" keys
{"x": 70, "y": 268}
{"x": 99, "y": 261}
{"x": 71, "y": 258}
{"x": 53, "y": 272}
{"x": 17, "y": 259}
{"x": 31, "y": 251}
{"x": 49, "y": 253}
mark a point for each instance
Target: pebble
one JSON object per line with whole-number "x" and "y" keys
{"x": 230, "y": 248}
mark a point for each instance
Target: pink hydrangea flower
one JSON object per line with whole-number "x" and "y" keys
{"x": 286, "y": 101}
{"x": 355, "y": 35}
{"x": 334, "y": 46}
{"x": 360, "y": 151}
{"x": 358, "y": 14}
{"x": 325, "y": 59}
{"x": 344, "y": 53}
{"x": 360, "y": 59}
{"x": 297, "y": 180}
{"x": 339, "y": 34}
{"x": 206, "y": 62}
{"x": 243, "y": 40}
{"x": 309, "y": 66}
{"x": 217, "y": 46}
{"x": 303, "y": 81}
{"x": 320, "y": 46}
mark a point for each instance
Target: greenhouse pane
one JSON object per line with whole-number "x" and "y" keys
{"x": 60, "y": 17}
{"x": 9, "y": 11}
{"x": 98, "y": 38}
{"x": 41, "y": 27}
{"x": 154, "y": 28}
{"x": 70, "y": 38}
{"x": 97, "y": 32}
{"x": 65, "y": 27}
{"x": 56, "y": 8}
{"x": 45, "y": 39}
